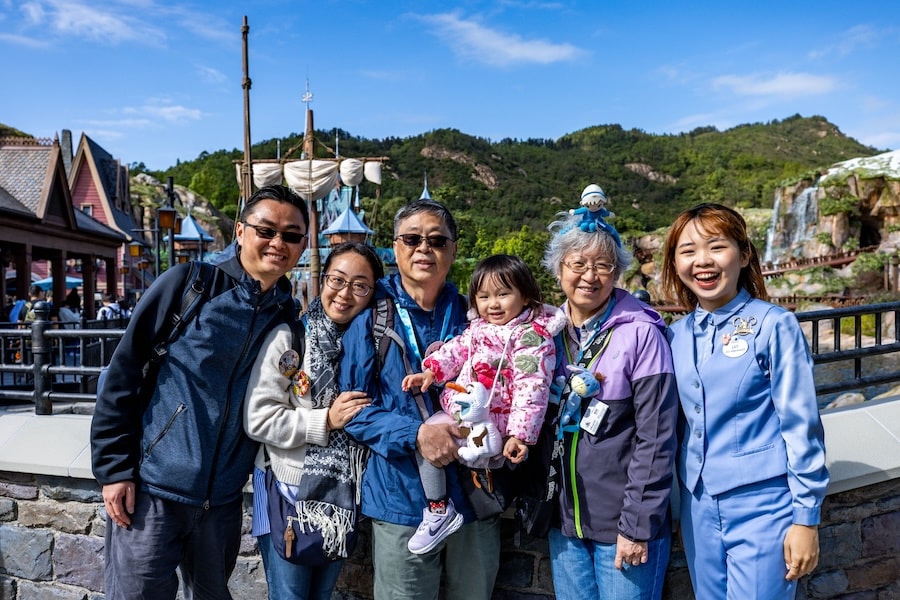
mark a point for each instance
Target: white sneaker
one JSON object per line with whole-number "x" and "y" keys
{"x": 434, "y": 529}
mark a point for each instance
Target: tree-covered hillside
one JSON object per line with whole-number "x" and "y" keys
{"x": 498, "y": 187}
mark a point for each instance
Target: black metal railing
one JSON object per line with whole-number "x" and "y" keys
{"x": 46, "y": 363}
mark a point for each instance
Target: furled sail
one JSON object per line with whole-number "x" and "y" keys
{"x": 313, "y": 179}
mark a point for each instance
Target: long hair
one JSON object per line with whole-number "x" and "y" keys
{"x": 510, "y": 271}
{"x": 712, "y": 219}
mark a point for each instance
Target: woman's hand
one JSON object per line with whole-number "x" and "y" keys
{"x": 801, "y": 551}
{"x": 632, "y": 553}
{"x": 345, "y": 407}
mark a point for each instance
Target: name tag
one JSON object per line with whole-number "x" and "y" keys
{"x": 735, "y": 348}
{"x": 593, "y": 416}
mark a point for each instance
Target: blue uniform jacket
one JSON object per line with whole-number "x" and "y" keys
{"x": 391, "y": 489}
{"x": 749, "y": 410}
{"x": 186, "y": 442}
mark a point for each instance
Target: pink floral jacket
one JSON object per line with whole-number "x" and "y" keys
{"x": 525, "y": 354}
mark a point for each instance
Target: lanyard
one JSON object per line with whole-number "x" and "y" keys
{"x": 411, "y": 332}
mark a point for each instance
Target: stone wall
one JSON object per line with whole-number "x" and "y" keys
{"x": 51, "y": 548}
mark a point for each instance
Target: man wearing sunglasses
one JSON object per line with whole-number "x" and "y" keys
{"x": 170, "y": 452}
{"x": 428, "y": 310}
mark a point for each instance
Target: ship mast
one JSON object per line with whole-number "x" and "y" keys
{"x": 309, "y": 153}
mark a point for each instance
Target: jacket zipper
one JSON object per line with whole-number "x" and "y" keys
{"x": 162, "y": 434}
{"x": 224, "y": 420}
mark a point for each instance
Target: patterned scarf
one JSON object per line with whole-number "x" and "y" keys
{"x": 329, "y": 490}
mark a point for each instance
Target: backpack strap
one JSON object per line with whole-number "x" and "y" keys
{"x": 196, "y": 292}
{"x": 383, "y": 326}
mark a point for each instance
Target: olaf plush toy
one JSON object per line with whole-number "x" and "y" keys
{"x": 483, "y": 440}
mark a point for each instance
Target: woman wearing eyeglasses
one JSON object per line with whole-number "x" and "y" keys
{"x": 618, "y": 444}
{"x": 294, "y": 407}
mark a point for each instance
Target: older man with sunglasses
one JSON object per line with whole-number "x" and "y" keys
{"x": 427, "y": 310}
{"x": 170, "y": 452}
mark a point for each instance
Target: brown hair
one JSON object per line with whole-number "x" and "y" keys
{"x": 713, "y": 218}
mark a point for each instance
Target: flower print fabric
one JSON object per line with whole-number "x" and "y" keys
{"x": 522, "y": 350}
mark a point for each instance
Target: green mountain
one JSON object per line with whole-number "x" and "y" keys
{"x": 498, "y": 187}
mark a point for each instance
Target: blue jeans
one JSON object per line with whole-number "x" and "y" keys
{"x": 288, "y": 581}
{"x": 586, "y": 569}
{"x": 141, "y": 560}
{"x": 470, "y": 562}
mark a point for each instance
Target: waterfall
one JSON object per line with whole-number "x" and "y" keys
{"x": 788, "y": 233}
{"x": 770, "y": 232}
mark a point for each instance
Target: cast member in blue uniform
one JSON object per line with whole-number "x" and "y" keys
{"x": 751, "y": 461}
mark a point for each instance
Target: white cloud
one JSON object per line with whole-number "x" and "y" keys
{"x": 211, "y": 74}
{"x": 22, "y": 40}
{"x": 848, "y": 41}
{"x": 785, "y": 85}
{"x": 81, "y": 20}
{"x": 471, "y": 40}
{"x": 166, "y": 112}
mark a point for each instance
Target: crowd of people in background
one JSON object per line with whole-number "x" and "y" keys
{"x": 707, "y": 425}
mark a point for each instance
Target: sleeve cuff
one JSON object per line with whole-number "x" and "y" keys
{"x": 807, "y": 516}
{"x": 317, "y": 427}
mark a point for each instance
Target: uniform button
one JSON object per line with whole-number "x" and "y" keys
{"x": 698, "y": 434}
{"x": 696, "y": 384}
{"x": 697, "y": 408}
{"x": 699, "y": 459}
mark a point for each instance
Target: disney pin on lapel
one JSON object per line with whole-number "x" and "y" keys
{"x": 733, "y": 345}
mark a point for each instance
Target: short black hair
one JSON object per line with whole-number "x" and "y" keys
{"x": 279, "y": 193}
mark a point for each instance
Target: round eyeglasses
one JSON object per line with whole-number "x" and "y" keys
{"x": 580, "y": 267}
{"x": 338, "y": 283}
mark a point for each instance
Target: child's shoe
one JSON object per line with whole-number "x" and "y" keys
{"x": 434, "y": 529}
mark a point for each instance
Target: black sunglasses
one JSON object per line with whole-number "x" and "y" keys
{"x": 267, "y": 233}
{"x": 413, "y": 240}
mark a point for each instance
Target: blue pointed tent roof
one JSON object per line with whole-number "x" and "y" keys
{"x": 347, "y": 222}
{"x": 191, "y": 232}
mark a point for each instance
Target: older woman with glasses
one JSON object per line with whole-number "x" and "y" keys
{"x": 294, "y": 407}
{"x": 616, "y": 446}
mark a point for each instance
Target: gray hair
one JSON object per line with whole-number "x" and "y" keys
{"x": 427, "y": 206}
{"x": 567, "y": 237}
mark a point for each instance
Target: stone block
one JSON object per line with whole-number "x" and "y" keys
{"x": 29, "y": 590}
{"x": 18, "y": 491}
{"x": 544, "y": 574}
{"x": 516, "y": 570}
{"x": 78, "y": 560}
{"x": 7, "y": 588}
{"x": 8, "y": 510}
{"x": 355, "y": 580}
{"x": 68, "y": 517}
{"x": 839, "y": 545}
{"x": 827, "y": 585}
{"x": 26, "y": 553}
{"x": 881, "y": 535}
{"x": 677, "y": 585}
{"x": 64, "y": 489}
{"x": 874, "y": 574}
{"x": 248, "y": 579}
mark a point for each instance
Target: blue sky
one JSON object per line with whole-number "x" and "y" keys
{"x": 156, "y": 81}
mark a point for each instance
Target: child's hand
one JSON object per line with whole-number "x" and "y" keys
{"x": 515, "y": 450}
{"x": 423, "y": 380}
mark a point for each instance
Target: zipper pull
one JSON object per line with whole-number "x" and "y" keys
{"x": 289, "y": 538}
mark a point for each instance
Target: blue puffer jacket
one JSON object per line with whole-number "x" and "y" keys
{"x": 392, "y": 490}
{"x": 186, "y": 442}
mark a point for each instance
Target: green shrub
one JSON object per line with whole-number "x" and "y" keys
{"x": 832, "y": 206}
{"x": 866, "y": 324}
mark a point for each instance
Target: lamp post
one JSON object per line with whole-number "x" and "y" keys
{"x": 166, "y": 216}
{"x": 142, "y": 266}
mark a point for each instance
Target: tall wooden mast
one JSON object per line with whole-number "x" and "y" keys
{"x": 246, "y": 168}
{"x": 309, "y": 152}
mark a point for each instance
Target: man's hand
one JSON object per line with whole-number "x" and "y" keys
{"x": 118, "y": 498}
{"x": 632, "y": 553}
{"x": 437, "y": 443}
